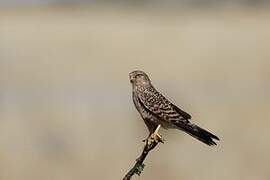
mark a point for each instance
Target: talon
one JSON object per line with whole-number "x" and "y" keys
{"x": 156, "y": 136}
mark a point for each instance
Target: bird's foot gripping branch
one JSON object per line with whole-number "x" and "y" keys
{"x": 156, "y": 136}
{"x": 150, "y": 144}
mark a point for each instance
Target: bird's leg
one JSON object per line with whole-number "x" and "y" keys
{"x": 156, "y": 136}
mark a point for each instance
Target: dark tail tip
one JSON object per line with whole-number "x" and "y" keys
{"x": 205, "y": 136}
{"x": 197, "y": 132}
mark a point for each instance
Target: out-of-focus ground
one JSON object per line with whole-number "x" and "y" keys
{"x": 65, "y": 100}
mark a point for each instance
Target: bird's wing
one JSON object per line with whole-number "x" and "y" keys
{"x": 181, "y": 112}
{"x": 157, "y": 104}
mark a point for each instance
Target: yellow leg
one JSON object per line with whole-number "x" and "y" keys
{"x": 156, "y": 136}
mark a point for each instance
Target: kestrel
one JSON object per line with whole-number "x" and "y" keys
{"x": 157, "y": 111}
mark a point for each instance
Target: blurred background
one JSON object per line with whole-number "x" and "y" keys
{"x": 66, "y": 110}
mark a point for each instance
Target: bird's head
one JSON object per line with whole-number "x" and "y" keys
{"x": 139, "y": 78}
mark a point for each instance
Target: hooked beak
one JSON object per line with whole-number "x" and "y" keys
{"x": 131, "y": 80}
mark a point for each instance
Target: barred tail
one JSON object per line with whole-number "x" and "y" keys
{"x": 198, "y": 133}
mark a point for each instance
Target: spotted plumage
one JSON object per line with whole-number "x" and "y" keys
{"x": 156, "y": 110}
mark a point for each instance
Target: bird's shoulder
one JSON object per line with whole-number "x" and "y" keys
{"x": 158, "y": 104}
{"x": 152, "y": 97}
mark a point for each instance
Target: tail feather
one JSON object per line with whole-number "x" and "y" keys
{"x": 198, "y": 133}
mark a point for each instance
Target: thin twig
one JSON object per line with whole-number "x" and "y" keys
{"x": 138, "y": 167}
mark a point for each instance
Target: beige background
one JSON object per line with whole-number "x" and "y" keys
{"x": 66, "y": 111}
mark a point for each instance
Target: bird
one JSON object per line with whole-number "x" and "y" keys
{"x": 157, "y": 111}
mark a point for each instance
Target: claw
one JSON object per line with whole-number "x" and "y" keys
{"x": 156, "y": 136}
